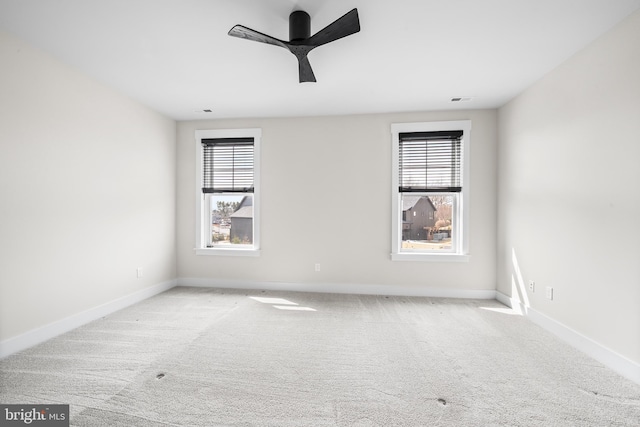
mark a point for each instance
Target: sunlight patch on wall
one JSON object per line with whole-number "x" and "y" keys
{"x": 517, "y": 282}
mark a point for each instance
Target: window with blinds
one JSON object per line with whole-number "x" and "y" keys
{"x": 228, "y": 165}
{"x": 228, "y": 189}
{"x": 430, "y": 197}
{"x": 430, "y": 161}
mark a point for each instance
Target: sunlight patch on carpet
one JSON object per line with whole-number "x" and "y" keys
{"x": 280, "y": 301}
{"x": 502, "y": 310}
{"x": 288, "y": 307}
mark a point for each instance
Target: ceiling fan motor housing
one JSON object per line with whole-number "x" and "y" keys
{"x": 299, "y": 25}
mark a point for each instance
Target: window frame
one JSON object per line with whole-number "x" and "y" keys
{"x": 202, "y": 203}
{"x": 461, "y": 231}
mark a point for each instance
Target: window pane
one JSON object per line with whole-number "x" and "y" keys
{"x": 427, "y": 222}
{"x": 231, "y": 220}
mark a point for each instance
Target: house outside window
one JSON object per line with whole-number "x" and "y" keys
{"x": 430, "y": 191}
{"x": 228, "y": 192}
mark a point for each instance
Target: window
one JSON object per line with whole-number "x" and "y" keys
{"x": 430, "y": 191}
{"x": 228, "y": 192}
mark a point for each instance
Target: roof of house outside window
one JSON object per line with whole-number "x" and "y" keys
{"x": 409, "y": 202}
{"x": 243, "y": 212}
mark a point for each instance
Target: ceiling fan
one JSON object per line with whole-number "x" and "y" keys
{"x": 300, "y": 40}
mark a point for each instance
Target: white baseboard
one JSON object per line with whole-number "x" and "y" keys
{"x": 46, "y": 332}
{"x": 616, "y": 362}
{"x": 339, "y": 288}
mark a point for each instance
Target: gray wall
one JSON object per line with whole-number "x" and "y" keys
{"x": 87, "y": 179}
{"x": 334, "y": 174}
{"x": 569, "y": 192}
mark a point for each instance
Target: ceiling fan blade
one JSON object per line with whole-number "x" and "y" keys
{"x": 341, "y": 27}
{"x": 304, "y": 70}
{"x": 256, "y": 36}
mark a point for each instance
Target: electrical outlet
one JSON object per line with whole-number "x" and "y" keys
{"x": 139, "y": 272}
{"x": 549, "y": 292}
{"x": 317, "y": 266}
{"x": 532, "y": 286}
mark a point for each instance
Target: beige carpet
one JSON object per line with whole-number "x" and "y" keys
{"x": 205, "y": 357}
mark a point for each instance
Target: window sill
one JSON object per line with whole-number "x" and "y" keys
{"x": 422, "y": 257}
{"x": 228, "y": 252}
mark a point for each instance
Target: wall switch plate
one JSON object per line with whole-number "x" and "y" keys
{"x": 317, "y": 266}
{"x": 532, "y": 286}
{"x": 549, "y": 292}
{"x": 139, "y": 272}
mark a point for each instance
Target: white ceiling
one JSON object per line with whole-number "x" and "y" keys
{"x": 411, "y": 55}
